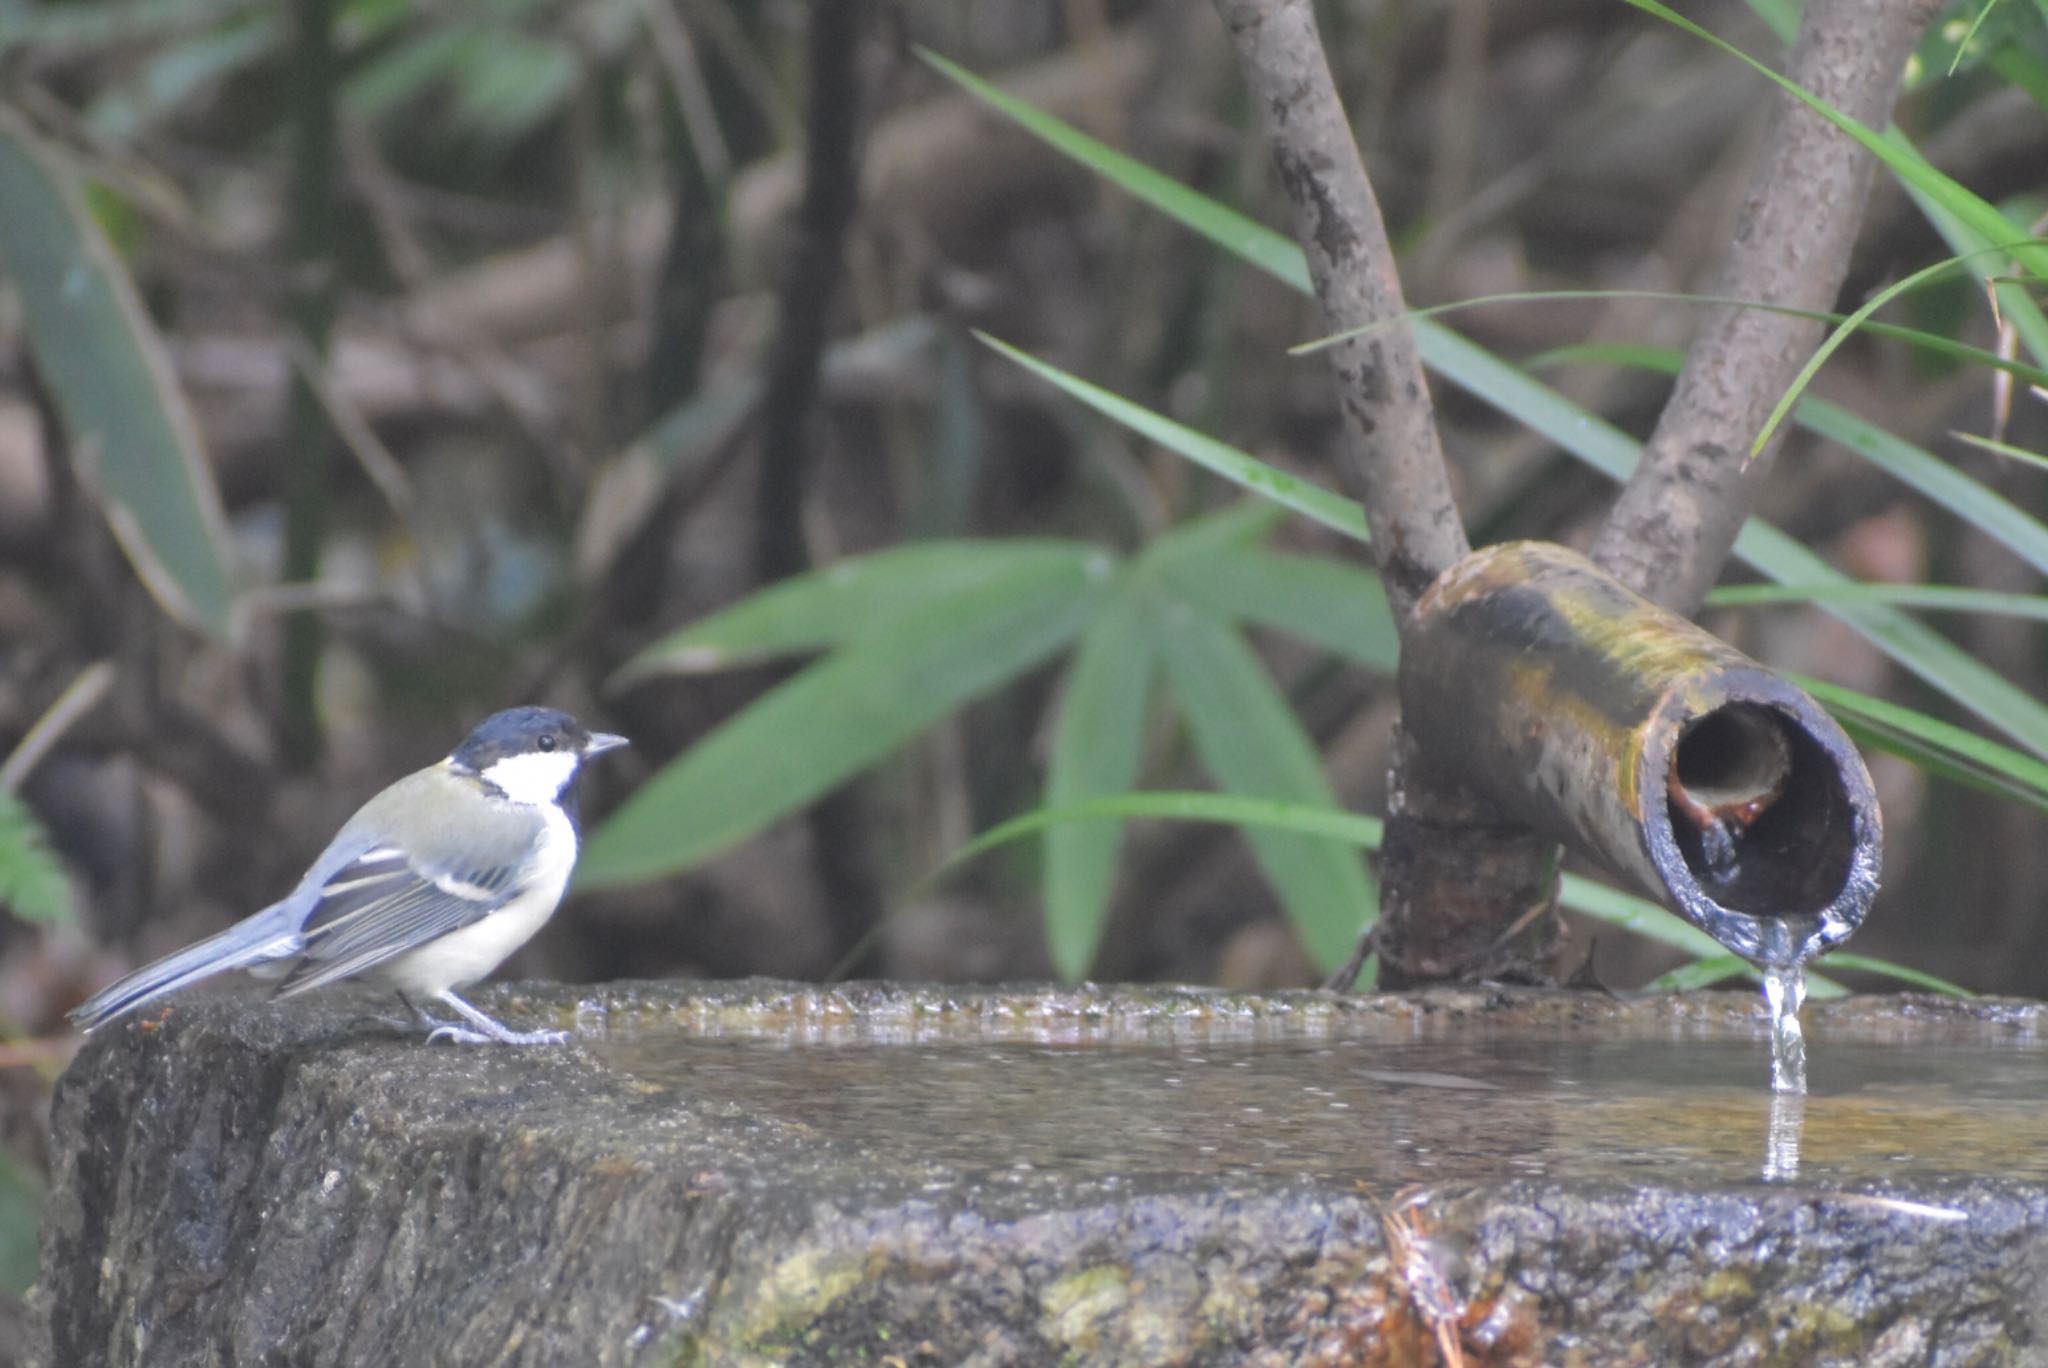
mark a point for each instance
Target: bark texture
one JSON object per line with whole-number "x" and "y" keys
{"x": 1393, "y": 463}
{"x": 1676, "y": 519}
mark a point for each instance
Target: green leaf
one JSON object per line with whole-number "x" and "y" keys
{"x": 1606, "y": 448}
{"x": 1251, "y": 743}
{"x": 1916, "y": 337}
{"x": 1585, "y": 435}
{"x": 133, "y": 106}
{"x": 33, "y": 885}
{"x": 1227, "y": 228}
{"x": 1290, "y": 491}
{"x": 1337, "y": 606}
{"x": 1839, "y": 334}
{"x": 1982, "y": 508}
{"x": 1704, "y": 973}
{"x": 131, "y": 437}
{"x": 84, "y": 29}
{"x": 2016, "y": 307}
{"x": 1713, "y": 969}
{"x": 1098, "y": 739}
{"x": 1943, "y": 598}
{"x": 506, "y": 82}
{"x": 838, "y": 717}
{"x": 1623, "y": 911}
{"x": 1936, "y": 746}
{"x": 853, "y": 600}
{"x": 2005, "y": 449}
{"x": 1914, "y": 978}
{"x": 1978, "y": 214}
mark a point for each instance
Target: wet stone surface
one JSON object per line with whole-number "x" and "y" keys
{"x": 769, "y": 1173}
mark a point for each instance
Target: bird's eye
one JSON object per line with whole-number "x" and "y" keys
{"x": 547, "y": 741}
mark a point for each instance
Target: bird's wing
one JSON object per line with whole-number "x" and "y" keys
{"x": 381, "y": 900}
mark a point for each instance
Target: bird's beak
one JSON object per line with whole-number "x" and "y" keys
{"x": 600, "y": 742}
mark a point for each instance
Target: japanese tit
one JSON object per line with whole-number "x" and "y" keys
{"x": 428, "y": 887}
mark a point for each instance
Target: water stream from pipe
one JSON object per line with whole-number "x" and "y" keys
{"x": 1785, "y": 992}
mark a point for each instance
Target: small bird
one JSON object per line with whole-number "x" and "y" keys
{"x": 428, "y": 887}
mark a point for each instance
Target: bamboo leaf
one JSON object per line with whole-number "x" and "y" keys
{"x": 838, "y": 717}
{"x": 1098, "y": 739}
{"x": 1981, "y": 507}
{"x": 1290, "y": 491}
{"x": 853, "y": 600}
{"x": 1228, "y": 229}
{"x": 1942, "y": 598}
{"x": 1251, "y": 743}
{"x": 1934, "y": 745}
{"x": 33, "y": 885}
{"x": 1585, "y": 435}
{"x": 1337, "y": 606}
{"x": 1606, "y": 448}
{"x": 1623, "y": 911}
{"x": 1914, "y": 337}
{"x": 1978, "y": 214}
{"x": 132, "y": 439}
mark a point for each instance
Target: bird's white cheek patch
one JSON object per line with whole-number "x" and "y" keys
{"x": 538, "y": 777}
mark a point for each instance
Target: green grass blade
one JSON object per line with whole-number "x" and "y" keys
{"x": 2005, "y": 449}
{"x": 1936, "y": 746}
{"x": 1981, "y": 507}
{"x": 1980, "y": 215}
{"x": 852, "y": 600}
{"x": 132, "y": 438}
{"x": 1912, "y": 978}
{"x": 1914, "y": 337}
{"x": 1251, "y": 743}
{"x": 1097, "y": 742}
{"x": 1585, "y": 435}
{"x": 1623, "y": 911}
{"x": 33, "y": 885}
{"x": 836, "y": 718}
{"x": 1926, "y": 653}
{"x": 1705, "y": 973}
{"x": 1310, "y": 500}
{"x": 1943, "y": 598}
{"x": 1233, "y": 232}
{"x": 1832, "y": 343}
{"x": 1975, "y": 503}
{"x": 1337, "y": 606}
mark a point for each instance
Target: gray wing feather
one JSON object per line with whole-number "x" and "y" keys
{"x": 372, "y": 902}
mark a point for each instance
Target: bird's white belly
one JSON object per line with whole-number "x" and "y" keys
{"x": 469, "y": 954}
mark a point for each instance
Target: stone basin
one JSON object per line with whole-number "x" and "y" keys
{"x": 766, "y": 1173}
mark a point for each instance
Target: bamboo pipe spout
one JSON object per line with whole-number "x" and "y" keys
{"x": 1630, "y": 734}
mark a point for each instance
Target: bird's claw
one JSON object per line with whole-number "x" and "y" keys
{"x": 461, "y": 1035}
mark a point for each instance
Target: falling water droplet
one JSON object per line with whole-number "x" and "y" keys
{"x": 1785, "y": 991}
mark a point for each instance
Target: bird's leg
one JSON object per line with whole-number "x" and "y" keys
{"x": 487, "y": 1027}
{"x": 435, "y": 1026}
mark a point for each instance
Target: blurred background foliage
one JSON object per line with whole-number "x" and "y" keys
{"x": 367, "y": 366}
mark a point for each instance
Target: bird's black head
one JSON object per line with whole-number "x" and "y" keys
{"x": 532, "y": 754}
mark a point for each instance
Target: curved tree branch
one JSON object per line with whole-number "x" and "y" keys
{"x": 1465, "y": 892}
{"x": 1677, "y": 517}
{"x": 1394, "y": 462}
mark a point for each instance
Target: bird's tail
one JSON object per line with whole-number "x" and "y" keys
{"x": 268, "y": 935}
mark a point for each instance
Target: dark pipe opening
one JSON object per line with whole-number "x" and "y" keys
{"x": 1760, "y": 813}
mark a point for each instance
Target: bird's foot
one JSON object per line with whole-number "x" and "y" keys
{"x": 484, "y": 1028}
